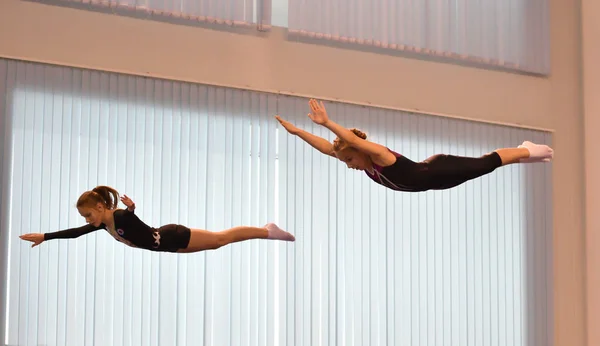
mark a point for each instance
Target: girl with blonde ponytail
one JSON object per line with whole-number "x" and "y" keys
{"x": 397, "y": 172}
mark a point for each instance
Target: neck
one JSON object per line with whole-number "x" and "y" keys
{"x": 107, "y": 218}
{"x": 370, "y": 167}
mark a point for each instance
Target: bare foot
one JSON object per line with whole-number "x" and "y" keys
{"x": 274, "y": 232}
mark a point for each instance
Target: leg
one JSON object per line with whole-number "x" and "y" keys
{"x": 446, "y": 171}
{"x": 201, "y": 240}
{"x": 526, "y": 152}
{"x": 512, "y": 155}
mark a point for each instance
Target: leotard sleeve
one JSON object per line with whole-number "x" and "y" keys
{"x": 72, "y": 232}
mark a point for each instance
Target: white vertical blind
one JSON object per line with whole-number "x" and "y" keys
{"x": 5, "y": 132}
{"x": 509, "y": 34}
{"x": 221, "y": 12}
{"x": 370, "y": 266}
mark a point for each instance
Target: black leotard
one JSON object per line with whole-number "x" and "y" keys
{"x": 134, "y": 232}
{"x": 438, "y": 172}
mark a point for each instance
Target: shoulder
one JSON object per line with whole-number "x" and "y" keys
{"x": 120, "y": 213}
{"x": 393, "y": 152}
{"x": 385, "y": 158}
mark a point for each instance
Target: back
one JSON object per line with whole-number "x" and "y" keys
{"x": 402, "y": 175}
{"x": 129, "y": 227}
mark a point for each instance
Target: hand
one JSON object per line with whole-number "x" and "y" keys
{"x": 36, "y": 238}
{"x": 128, "y": 202}
{"x": 318, "y": 113}
{"x": 288, "y": 126}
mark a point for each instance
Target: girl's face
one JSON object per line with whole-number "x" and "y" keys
{"x": 354, "y": 159}
{"x": 92, "y": 215}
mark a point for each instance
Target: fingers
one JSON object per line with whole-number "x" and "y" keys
{"x": 126, "y": 200}
{"x": 315, "y": 105}
{"x": 32, "y": 237}
{"x": 289, "y": 127}
{"x": 28, "y": 237}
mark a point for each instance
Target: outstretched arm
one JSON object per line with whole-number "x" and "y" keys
{"x": 321, "y": 144}
{"x": 319, "y": 115}
{"x": 38, "y": 238}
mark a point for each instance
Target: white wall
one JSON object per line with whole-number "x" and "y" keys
{"x": 43, "y": 33}
{"x": 591, "y": 108}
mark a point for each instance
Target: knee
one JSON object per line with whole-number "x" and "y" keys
{"x": 489, "y": 161}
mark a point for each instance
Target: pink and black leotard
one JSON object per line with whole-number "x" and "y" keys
{"x": 437, "y": 172}
{"x": 134, "y": 232}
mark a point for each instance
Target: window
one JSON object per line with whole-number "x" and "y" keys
{"x": 369, "y": 265}
{"x": 511, "y": 35}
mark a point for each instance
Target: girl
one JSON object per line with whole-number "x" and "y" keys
{"x": 99, "y": 208}
{"x": 396, "y": 171}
